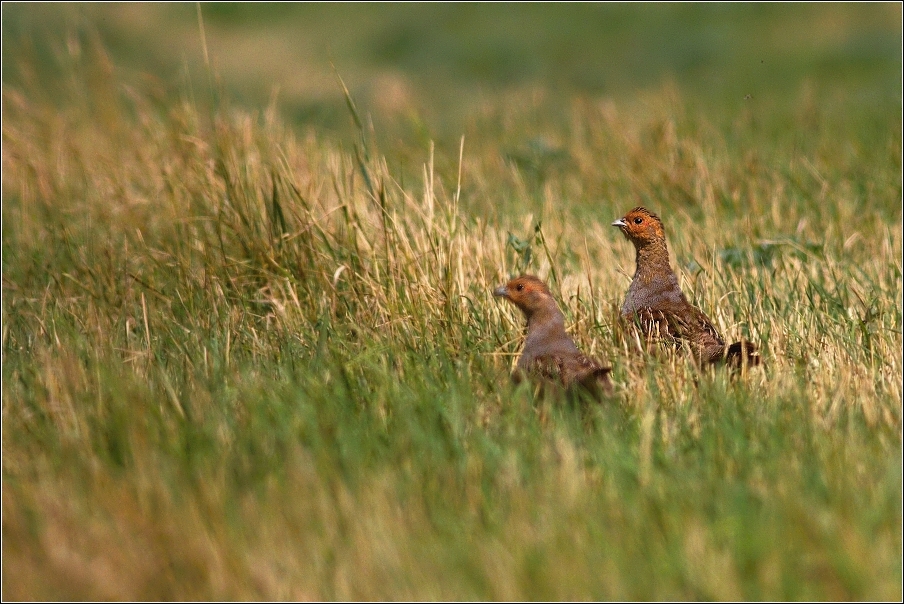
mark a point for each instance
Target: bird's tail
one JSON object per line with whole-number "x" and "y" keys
{"x": 598, "y": 381}
{"x": 741, "y": 353}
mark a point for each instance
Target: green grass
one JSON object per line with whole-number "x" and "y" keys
{"x": 251, "y": 352}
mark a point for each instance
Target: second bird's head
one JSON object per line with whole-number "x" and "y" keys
{"x": 527, "y": 293}
{"x": 641, "y": 226}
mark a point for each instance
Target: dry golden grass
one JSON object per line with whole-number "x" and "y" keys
{"x": 244, "y": 361}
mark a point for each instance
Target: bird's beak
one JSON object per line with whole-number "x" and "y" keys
{"x": 501, "y": 291}
{"x": 619, "y": 223}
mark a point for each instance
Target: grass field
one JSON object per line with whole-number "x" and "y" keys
{"x": 250, "y": 349}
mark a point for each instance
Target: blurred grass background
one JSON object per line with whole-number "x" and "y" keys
{"x": 436, "y": 64}
{"x": 249, "y": 350}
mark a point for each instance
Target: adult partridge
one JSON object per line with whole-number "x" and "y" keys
{"x": 549, "y": 353}
{"x": 656, "y": 304}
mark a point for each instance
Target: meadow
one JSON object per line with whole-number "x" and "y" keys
{"x": 250, "y": 348}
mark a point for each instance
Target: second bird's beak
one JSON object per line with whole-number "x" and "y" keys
{"x": 501, "y": 291}
{"x": 619, "y": 223}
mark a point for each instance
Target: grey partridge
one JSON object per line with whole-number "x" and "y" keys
{"x": 549, "y": 354}
{"x": 656, "y": 304}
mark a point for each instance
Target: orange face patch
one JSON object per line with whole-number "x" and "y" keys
{"x": 640, "y": 225}
{"x": 523, "y": 291}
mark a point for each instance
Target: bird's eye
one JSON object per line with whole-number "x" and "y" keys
{"x": 519, "y": 287}
{"x": 638, "y": 220}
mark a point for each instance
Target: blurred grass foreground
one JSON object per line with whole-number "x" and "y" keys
{"x": 249, "y": 346}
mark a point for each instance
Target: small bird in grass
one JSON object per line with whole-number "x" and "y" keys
{"x": 549, "y": 353}
{"x": 656, "y": 304}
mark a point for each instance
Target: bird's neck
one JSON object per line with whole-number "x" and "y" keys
{"x": 652, "y": 260}
{"x": 545, "y": 322}
{"x": 545, "y": 336}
